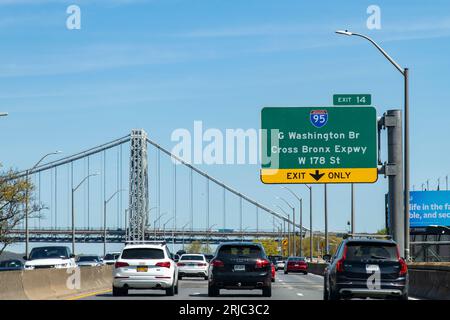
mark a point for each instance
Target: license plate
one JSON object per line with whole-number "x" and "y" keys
{"x": 142, "y": 269}
{"x": 239, "y": 267}
{"x": 372, "y": 267}
{"x": 191, "y": 265}
{"x": 296, "y": 265}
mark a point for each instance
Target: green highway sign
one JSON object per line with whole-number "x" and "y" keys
{"x": 319, "y": 145}
{"x": 352, "y": 99}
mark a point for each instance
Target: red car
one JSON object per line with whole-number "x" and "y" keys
{"x": 273, "y": 271}
{"x": 296, "y": 264}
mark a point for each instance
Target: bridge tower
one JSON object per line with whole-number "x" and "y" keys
{"x": 138, "y": 197}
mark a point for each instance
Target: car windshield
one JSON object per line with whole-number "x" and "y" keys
{"x": 196, "y": 258}
{"x": 366, "y": 251}
{"x": 143, "y": 253}
{"x": 88, "y": 258}
{"x": 237, "y": 250}
{"x": 49, "y": 253}
{"x": 111, "y": 256}
{"x": 10, "y": 264}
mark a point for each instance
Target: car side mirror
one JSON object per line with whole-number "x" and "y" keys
{"x": 72, "y": 256}
{"x": 327, "y": 257}
{"x": 25, "y": 258}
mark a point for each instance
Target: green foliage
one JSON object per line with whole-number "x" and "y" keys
{"x": 14, "y": 194}
{"x": 270, "y": 246}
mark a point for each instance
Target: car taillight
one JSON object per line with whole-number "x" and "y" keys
{"x": 201, "y": 264}
{"x": 119, "y": 264}
{"x": 261, "y": 263}
{"x": 163, "y": 264}
{"x": 180, "y": 264}
{"x": 217, "y": 263}
{"x": 340, "y": 263}
{"x": 403, "y": 265}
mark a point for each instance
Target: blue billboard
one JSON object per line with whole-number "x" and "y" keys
{"x": 429, "y": 208}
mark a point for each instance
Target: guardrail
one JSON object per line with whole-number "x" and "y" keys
{"x": 43, "y": 284}
{"x": 426, "y": 280}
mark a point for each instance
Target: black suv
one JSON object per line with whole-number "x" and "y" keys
{"x": 240, "y": 265}
{"x": 366, "y": 268}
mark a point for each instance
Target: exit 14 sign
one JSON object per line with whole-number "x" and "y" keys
{"x": 352, "y": 99}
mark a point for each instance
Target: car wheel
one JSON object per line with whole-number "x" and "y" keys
{"x": 285, "y": 272}
{"x": 205, "y": 277}
{"x": 325, "y": 290}
{"x": 332, "y": 295}
{"x": 273, "y": 279}
{"x": 213, "y": 291}
{"x": 306, "y": 272}
{"x": 116, "y": 291}
{"x": 170, "y": 291}
{"x": 176, "y": 288}
{"x": 403, "y": 297}
{"x": 267, "y": 291}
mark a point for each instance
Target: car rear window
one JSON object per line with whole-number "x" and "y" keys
{"x": 143, "y": 253}
{"x": 196, "y": 258}
{"x": 248, "y": 251}
{"x": 365, "y": 251}
{"x": 296, "y": 259}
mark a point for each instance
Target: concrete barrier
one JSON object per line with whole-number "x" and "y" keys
{"x": 11, "y": 286}
{"x": 426, "y": 280}
{"x": 429, "y": 280}
{"x": 53, "y": 283}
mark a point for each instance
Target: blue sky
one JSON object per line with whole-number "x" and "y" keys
{"x": 161, "y": 65}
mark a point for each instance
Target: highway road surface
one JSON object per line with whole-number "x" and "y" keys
{"x": 286, "y": 287}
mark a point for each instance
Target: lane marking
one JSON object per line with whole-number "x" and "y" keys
{"x": 300, "y": 294}
{"x": 88, "y": 294}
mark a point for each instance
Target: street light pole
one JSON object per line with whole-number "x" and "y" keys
{"x": 293, "y": 222}
{"x": 27, "y": 179}
{"x": 105, "y": 202}
{"x": 73, "y": 208}
{"x": 156, "y": 220}
{"x": 405, "y": 73}
{"x": 288, "y": 228}
{"x": 164, "y": 227}
{"x": 182, "y": 232}
{"x": 301, "y": 218}
{"x": 208, "y": 232}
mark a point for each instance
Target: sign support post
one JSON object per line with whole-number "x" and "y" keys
{"x": 394, "y": 170}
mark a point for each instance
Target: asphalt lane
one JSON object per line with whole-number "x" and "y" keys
{"x": 290, "y": 286}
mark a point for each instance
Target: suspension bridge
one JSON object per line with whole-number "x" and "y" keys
{"x": 82, "y": 198}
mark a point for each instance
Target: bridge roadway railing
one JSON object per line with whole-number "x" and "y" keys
{"x": 427, "y": 280}
{"x": 119, "y": 235}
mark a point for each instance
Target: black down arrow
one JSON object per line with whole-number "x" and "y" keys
{"x": 317, "y": 176}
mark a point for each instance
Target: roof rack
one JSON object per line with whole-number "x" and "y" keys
{"x": 367, "y": 236}
{"x": 160, "y": 242}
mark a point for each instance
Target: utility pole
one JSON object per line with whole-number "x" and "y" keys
{"x": 392, "y": 120}
{"x": 326, "y": 218}
{"x": 352, "y": 227}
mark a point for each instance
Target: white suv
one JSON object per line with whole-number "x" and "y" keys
{"x": 145, "y": 265}
{"x": 58, "y": 257}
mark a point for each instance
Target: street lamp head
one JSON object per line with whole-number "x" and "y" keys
{"x": 344, "y": 32}
{"x": 58, "y": 152}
